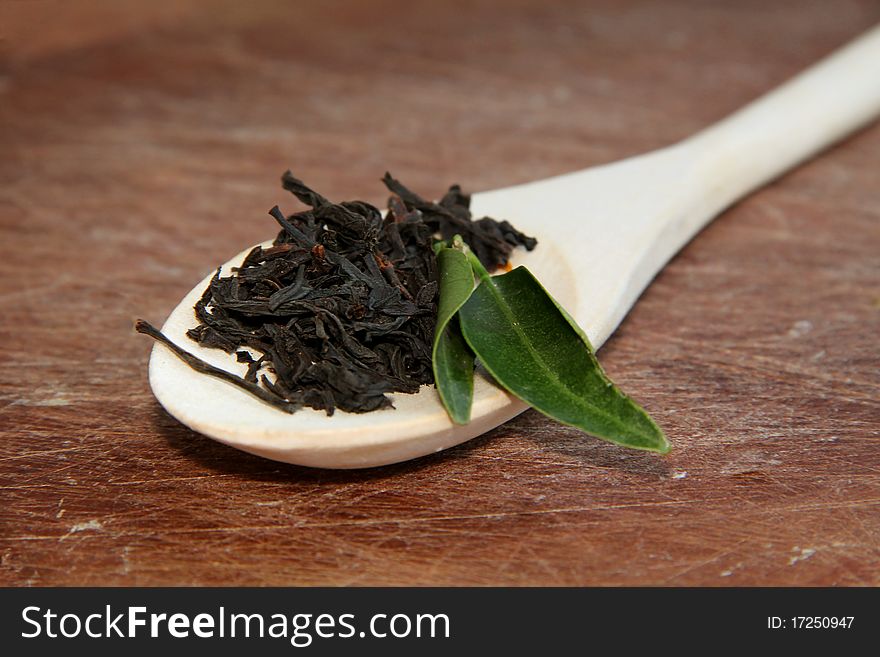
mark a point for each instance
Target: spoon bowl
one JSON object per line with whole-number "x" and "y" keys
{"x": 417, "y": 425}
{"x": 603, "y": 234}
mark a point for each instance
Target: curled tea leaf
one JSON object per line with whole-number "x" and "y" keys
{"x": 453, "y": 360}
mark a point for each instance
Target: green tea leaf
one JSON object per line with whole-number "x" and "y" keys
{"x": 537, "y": 352}
{"x": 453, "y": 361}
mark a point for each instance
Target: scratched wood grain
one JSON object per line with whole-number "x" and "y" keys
{"x": 141, "y": 146}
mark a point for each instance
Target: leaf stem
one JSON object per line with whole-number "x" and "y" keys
{"x": 477, "y": 266}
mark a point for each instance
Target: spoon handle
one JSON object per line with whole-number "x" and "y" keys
{"x": 808, "y": 113}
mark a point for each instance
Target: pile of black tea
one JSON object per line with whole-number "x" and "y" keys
{"x": 341, "y": 309}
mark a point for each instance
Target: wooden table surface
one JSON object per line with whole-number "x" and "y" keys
{"x": 141, "y": 144}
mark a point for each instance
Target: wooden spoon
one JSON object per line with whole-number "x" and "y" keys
{"x": 603, "y": 234}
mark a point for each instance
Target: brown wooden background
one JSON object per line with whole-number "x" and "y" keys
{"x": 141, "y": 144}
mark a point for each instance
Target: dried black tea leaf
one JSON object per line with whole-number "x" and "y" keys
{"x": 341, "y": 309}
{"x": 492, "y": 241}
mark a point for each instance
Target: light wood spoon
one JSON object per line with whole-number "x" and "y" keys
{"x": 603, "y": 234}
